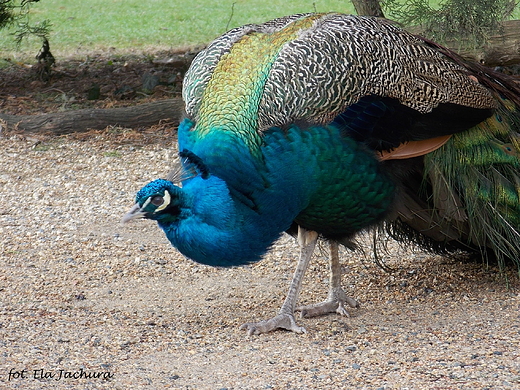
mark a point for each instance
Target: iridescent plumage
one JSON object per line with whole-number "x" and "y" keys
{"x": 332, "y": 124}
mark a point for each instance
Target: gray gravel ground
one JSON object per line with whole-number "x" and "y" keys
{"x": 86, "y": 303}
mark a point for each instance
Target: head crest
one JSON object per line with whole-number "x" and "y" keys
{"x": 189, "y": 166}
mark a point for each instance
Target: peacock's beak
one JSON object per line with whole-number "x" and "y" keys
{"x": 134, "y": 213}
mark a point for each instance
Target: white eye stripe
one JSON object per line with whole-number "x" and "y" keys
{"x": 167, "y": 199}
{"x": 146, "y": 203}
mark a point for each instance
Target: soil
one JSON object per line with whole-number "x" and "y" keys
{"x": 95, "y": 82}
{"x": 88, "y": 303}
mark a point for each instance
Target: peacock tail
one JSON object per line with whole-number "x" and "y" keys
{"x": 475, "y": 180}
{"x": 317, "y": 65}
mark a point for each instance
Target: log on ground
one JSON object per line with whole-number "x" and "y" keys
{"x": 140, "y": 115}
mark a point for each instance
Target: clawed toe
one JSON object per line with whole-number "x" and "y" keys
{"x": 328, "y": 306}
{"x": 281, "y": 321}
{"x": 318, "y": 309}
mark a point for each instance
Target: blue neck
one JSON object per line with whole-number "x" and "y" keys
{"x": 217, "y": 230}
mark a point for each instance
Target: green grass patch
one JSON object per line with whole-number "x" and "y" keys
{"x": 120, "y": 27}
{"x": 42, "y": 147}
{"x": 136, "y": 26}
{"x": 113, "y": 153}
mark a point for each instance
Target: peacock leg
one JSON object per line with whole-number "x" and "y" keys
{"x": 336, "y": 300}
{"x": 285, "y": 319}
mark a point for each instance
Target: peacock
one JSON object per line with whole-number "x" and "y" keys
{"x": 326, "y": 125}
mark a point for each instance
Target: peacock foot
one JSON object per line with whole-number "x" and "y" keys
{"x": 281, "y": 321}
{"x": 335, "y": 303}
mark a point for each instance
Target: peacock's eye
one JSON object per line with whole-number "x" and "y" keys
{"x": 157, "y": 200}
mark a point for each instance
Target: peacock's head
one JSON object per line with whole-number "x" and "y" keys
{"x": 163, "y": 201}
{"x": 159, "y": 200}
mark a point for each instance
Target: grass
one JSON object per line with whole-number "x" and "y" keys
{"x": 113, "y": 153}
{"x": 81, "y": 27}
{"x": 138, "y": 26}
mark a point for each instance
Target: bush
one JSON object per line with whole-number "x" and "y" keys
{"x": 16, "y": 13}
{"x": 471, "y": 21}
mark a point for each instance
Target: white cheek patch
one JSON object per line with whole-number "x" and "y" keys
{"x": 166, "y": 203}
